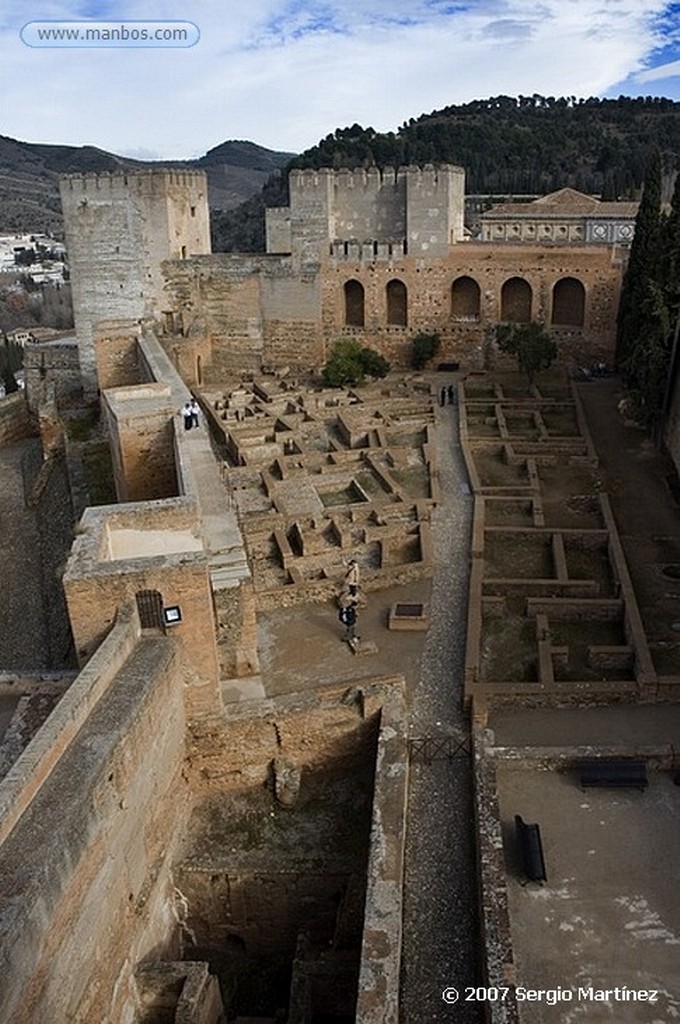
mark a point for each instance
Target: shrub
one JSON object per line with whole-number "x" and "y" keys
{"x": 350, "y": 364}
{"x": 425, "y": 348}
{"x": 530, "y": 343}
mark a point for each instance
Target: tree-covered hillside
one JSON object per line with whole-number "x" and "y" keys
{"x": 529, "y": 144}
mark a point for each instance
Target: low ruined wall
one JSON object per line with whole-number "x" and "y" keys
{"x": 85, "y": 886}
{"x": 378, "y": 996}
{"x": 15, "y": 422}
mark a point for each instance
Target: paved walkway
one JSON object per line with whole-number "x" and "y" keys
{"x": 441, "y": 946}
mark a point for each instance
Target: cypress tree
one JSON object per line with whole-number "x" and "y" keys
{"x": 643, "y": 266}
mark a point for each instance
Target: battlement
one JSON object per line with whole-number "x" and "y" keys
{"x": 123, "y": 182}
{"x": 370, "y": 207}
{"x": 430, "y": 176}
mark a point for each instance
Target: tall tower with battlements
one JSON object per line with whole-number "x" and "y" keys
{"x": 411, "y": 210}
{"x": 119, "y": 229}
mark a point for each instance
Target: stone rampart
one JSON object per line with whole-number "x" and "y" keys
{"x": 119, "y": 229}
{"x": 51, "y": 368}
{"x": 15, "y": 420}
{"x": 85, "y": 890}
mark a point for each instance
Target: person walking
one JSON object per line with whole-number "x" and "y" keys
{"x": 442, "y": 396}
{"x": 195, "y": 410}
{"x": 452, "y": 392}
{"x": 348, "y": 617}
{"x": 187, "y": 416}
{"x": 352, "y": 577}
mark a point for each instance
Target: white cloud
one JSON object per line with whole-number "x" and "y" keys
{"x": 660, "y": 72}
{"x": 285, "y": 74}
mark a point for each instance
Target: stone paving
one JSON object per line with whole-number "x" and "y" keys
{"x": 441, "y": 945}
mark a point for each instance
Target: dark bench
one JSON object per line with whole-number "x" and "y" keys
{"x": 610, "y": 774}
{"x": 531, "y": 850}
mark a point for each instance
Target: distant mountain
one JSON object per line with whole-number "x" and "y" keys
{"x": 29, "y": 172}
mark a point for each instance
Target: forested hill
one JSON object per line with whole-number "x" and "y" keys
{"x": 529, "y": 144}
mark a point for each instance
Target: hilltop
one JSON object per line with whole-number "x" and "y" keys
{"x": 508, "y": 146}
{"x": 29, "y": 172}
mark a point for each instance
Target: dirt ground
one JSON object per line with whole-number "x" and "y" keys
{"x": 637, "y": 476}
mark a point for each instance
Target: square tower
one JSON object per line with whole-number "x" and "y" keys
{"x": 119, "y": 229}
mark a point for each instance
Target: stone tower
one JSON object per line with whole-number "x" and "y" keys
{"x": 119, "y": 229}
{"x": 410, "y": 210}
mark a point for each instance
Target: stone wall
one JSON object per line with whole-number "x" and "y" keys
{"x": 119, "y": 229}
{"x": 85, "y": 888}
{"x": 15, "y": 421}
{"x": 255, "y": 311}
{"x": 51, "y": 367}
{"x": 141, "y": 421}
{"x": 122, "y": 551}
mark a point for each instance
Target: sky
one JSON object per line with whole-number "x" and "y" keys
{"x": 286, "y": 73}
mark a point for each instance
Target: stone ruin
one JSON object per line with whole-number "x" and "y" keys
{"x": 319, "y": 476}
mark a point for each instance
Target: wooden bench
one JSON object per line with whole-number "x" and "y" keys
{"x": 613, "y": 774}
{"x": 531, "y": 850}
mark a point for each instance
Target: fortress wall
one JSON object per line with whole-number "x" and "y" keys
{"x": 54, "y": 364}
{"x": 369, "y": 204}
{"x": 33, "y": 768}
{"x": 260, "y": 311}
{"x": 429, "y": 282}
{"x": 435, "y": 200}
{"x": 116, "y": 350}
{"x": 15, "y": 422}
{"x": 90, "y": 855}
{"x": 119, "y": 228}
{"x": 141, "y": 424}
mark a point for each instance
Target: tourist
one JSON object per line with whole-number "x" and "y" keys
{"x": 195, "y": 410}
{"x": 188, "y": 416}
{"x": 451, "y": 394}
{"x": 348, "y": 617}
{"x": 442, "y": 396}
{"x": 352, "y": 577}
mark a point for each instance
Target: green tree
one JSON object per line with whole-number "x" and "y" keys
{"x": 647, "y": 366}
{"x": 11, "y": 359}
{"x": 643, "y": 265}
{"x": 373, "y": 364}
{"x": 530, "y": 344}
{"x": 425, "y": 348}
{"x": 349, "y": 364}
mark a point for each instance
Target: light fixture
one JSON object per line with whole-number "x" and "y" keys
{"x": 172, "y": 615}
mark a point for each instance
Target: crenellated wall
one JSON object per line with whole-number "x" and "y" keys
{"x": 418, "y": 208}
{"x": 119, "y": 229}
{"x": 91, "y": 814}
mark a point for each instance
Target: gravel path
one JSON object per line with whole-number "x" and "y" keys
{"x": 441, "y": 944}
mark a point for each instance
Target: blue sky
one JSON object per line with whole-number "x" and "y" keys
{"x": 285, "y": 74}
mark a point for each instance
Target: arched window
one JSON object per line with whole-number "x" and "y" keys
{"x": 516, "y": 301}
{"x": 568, "y": 303}
{"x": 354, "y": 304}
{"x": 465, "y": 299}
{"x": 150, "y": 608}
{"x": 397, "y": 304}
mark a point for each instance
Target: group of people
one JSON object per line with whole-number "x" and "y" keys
{"x": 190, "y": 414}
{"x": 449, "y": 392}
